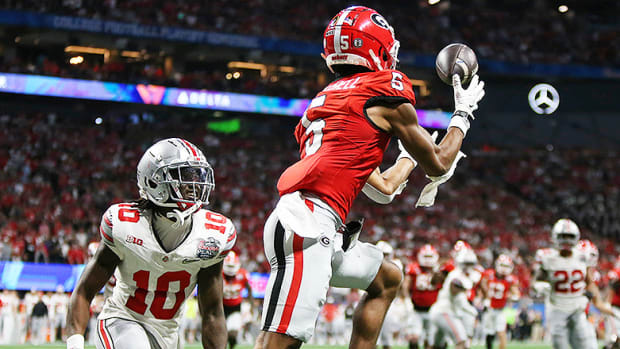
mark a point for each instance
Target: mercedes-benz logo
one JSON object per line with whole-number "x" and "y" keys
{"x": 544, "y": 99}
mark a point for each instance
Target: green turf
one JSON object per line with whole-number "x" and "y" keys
{"x": 510, "y": 346}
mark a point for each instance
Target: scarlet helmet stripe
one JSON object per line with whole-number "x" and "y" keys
{"x": 298, "y": 249}
{"x": 191, "y": 148}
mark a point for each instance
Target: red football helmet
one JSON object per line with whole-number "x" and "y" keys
{"x": 359, "y": 35}
{"x": 504, "y": 265}
{"x": 232, "y": 264}
{"x": 428, "y": 256}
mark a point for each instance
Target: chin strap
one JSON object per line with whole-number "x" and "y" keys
{"x": 375, "y": 59}
{"x": 180, "y": 216}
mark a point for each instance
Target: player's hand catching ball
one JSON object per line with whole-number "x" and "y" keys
{"x": 465, "y": 101}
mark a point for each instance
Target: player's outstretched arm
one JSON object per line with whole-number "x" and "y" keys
{"x": 210, "y": 295}
{"x": 97, "y": 272}
{"x": 402, "y": 121}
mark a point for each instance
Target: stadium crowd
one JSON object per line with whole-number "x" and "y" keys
{"x": 529, "y": 32}
{"x": 59, "y": 175}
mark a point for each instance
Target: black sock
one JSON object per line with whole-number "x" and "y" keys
{"x": 490, "y": 339}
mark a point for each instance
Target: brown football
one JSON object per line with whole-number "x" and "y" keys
{"x": 456, "y": 59}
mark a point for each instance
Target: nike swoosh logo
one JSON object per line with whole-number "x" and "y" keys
{"x": 187, "y": 261}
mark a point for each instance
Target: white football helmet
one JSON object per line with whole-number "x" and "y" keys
{"x": 92, "y": 249}
{"x": 231, "y": 264}
{"x": 175, "y": 173}
{"x": 504, "y": 265}
{"x": 565, "y": 234}
{"x": 428, "y": 256}
{"x": 466, "y": 260}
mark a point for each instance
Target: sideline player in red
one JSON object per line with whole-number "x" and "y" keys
{"x": 612, "y": 323}
{"x": 497, "y": 286}
{"x": 423, "y": 292}
{"x": 235, "y": 280}
{"x": 342, "y": 137}
{"x": 162, "y": 245}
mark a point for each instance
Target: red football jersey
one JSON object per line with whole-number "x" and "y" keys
{"x": 448, "y": 266}
{"x": 423, "y": 293}
{"x": 338, "y": 145}
{"x": 233, "y": 287}
{"x": 498, "y": 288}
{"x": 614, "y": 276}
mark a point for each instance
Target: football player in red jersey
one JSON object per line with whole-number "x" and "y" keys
{"x": 612, "y": 323}
{"x": 342, "y": 137}
{"x": 423, "y": 292}
{"x": 235, "y": 280}
{"x": 497, "y": 286}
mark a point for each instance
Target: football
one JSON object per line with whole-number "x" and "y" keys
{"x": 456, "y": 59}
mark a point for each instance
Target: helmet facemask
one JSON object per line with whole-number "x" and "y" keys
{"x": 566, "y": 240}
{"x": 189, "y": 183}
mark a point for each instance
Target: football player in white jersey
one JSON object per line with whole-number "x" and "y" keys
{"x": 163, "y": 246}
{"x": 446, "y": 314}
{"x": 58, "y": 312}
{"x": 568, "y": 275}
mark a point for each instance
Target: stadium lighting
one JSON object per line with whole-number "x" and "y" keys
{"x": 89, "y": 50}
{"x": 236, "y": 75}
{"x": 433, "y": 2}
{"x": 248, "y": 65}
{"x": 98, "y": 120}
{"x": 563, "y": 8}
{"x": 76, "y": 60}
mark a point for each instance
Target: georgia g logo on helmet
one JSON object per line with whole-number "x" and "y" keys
{"x": 380, "y": 21}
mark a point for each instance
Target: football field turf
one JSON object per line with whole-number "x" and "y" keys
{"x": 514, "y": 345}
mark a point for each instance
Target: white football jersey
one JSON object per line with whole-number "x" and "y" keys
{"x": 58, "y": 304}
{"x": 567, "y": 277}
{"x": 454, "y": 304}
{"x": 152, "y": 284}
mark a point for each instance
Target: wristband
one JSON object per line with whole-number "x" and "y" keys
{"x": 460, "y": 120}
{"x": 75, "y": 342}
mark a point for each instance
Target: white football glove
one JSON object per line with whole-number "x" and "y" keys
{"x": 465, "y": 101}
{"x": 405, "y": 154}
{"x": 427, "y": 196}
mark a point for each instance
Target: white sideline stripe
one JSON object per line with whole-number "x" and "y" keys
{"x": 337, "y": 31}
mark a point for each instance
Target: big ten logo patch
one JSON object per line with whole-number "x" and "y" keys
{"x": 134, "y": 240}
